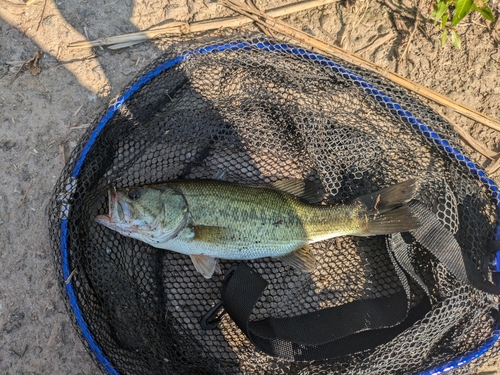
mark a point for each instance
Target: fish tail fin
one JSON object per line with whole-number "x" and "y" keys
{"x": 400, "y": 219}
{"x": 388, "y": 198}
{"x": 386, "y": 210}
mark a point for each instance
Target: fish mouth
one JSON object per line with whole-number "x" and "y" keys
{"x": 119, "y": 214}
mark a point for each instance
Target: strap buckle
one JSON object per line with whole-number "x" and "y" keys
{"x": 214, "y": 316}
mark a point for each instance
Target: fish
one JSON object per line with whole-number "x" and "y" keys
{"x": 210, "y": 219}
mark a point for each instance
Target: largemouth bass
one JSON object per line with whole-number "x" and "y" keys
{"x": 209, "y": 219}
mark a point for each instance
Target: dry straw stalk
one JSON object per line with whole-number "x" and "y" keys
{"x": 182, "y": 28}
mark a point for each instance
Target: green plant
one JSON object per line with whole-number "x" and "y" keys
{"x": 449, "y": 13}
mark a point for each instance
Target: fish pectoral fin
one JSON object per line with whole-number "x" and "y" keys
{"x": 307, "y": 190}
{"x": 302, "y": 259}
{"x": 205, "y": 265}
{"x": 206, "y": 233}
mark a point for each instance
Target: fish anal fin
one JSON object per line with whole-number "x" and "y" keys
{"x": 304, "y": 189}
{"x": 205, "y": 265}
{"x": 301, "y": 259}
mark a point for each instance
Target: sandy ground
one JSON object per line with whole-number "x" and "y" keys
{"x": 42, "y": 115}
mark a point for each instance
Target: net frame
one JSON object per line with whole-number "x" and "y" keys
{"x": 420, "y": 128}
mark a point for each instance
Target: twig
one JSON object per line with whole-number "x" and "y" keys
{"x": 360, "y": 17}
{"x": 493, "y": 167}
{"x": 402, "y": 11}
{"x": 85, "y": 31}
{"x": 263, "y": 28}
{"x": 84, "y": 126}
{"x": 41, "y": 16}
{"x": 377, "y": 43}
{"x": 495, "y": 23}
{"x": 107, "y": 5}
{"x": 17, "y": 73}
{"x": 180, "y": 28}
{"x": 78, "y": 110}
{"x": 62, "y": 153}
{"x": 317, "y": 44}
{"x": 389, "y": 5}
{"x": 410, "y": 39}
{"x": 73, "y": 273}
{"x": 11, "y": 4}
{"x": 467, "y": 24}
{"x": 26, "y": 192}
{"x": 328, "y": 34}
{"x": 479, "y": 147}
{"x": 15, "y": 63}
{"x": 493, "y": 27}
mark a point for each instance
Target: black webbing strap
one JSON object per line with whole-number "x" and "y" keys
{"x": 442, "y": 244}
{"x": 327, "y": 333}
{"x": 401, "y": 248}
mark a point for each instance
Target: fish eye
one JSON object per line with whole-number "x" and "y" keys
{"x": 133, "y": 194}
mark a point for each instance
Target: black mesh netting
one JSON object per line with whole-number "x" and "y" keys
{"x": 261, "y": 114}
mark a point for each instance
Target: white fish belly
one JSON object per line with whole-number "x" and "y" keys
{"x": 236, "y": 251}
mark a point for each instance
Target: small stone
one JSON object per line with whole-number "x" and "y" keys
{"x": 38, "y": 350}
{"x": 19, "y": 351}
{"x": 7, "y": 145}
{"x": 55, "y": 339}
{"x": 14, "y": 322}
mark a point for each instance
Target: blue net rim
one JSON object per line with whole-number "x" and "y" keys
{"x": 396, "y": 109}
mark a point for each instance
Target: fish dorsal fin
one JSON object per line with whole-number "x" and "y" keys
{"x": 307, "y": 190}
{"x": 205, "y": 265}
{"x": 301, "y": 259}
{"x": 206, "y": 233}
